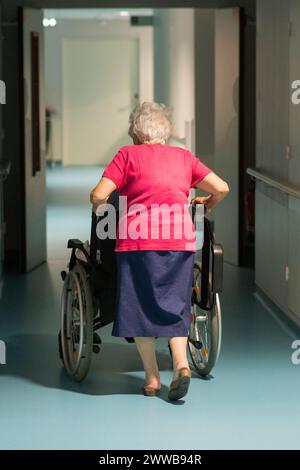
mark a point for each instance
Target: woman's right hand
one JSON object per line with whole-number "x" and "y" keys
{"x": 202, "y": 200}
{"x": 217, "y": 188}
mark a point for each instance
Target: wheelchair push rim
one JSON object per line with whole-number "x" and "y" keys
{"x": 204, "y": 342}
{"x": 76, "y": 323}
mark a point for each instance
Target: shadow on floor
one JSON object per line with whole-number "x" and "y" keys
{"x": 35, "y": 358}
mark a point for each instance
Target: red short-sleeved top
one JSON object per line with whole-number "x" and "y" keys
{"x": 156, "y": 180}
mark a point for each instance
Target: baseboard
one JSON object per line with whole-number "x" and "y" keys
{"x": 53, "y": 163}
{"x": 287, "y": 319}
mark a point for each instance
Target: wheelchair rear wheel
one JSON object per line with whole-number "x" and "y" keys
{"x": 77, "y": 314}
{"x": 204, "y": 340}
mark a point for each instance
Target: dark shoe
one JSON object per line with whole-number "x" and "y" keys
{"x": 179, "y": 387}
{"x": 96, "y": 343}
{"x": 150, "y": 391}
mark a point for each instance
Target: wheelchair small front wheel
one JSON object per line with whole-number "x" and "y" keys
{"x": 77, "y": 314}
{"x": 204, "y": 342}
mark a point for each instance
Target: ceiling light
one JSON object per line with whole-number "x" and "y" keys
{"x": 52, "y": 22}
{"x": 124, "y": 13}
{"x": 45, "y": 22}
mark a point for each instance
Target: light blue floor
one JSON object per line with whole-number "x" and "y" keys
{"x": 251, "y": 402}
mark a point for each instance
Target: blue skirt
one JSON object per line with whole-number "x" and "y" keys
{"x": 154, "y": 290}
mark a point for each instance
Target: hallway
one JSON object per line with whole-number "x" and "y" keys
{"x": 252, "y": 400}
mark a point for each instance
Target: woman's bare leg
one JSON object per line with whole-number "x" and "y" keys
{"x": 181, "y": 376}
{"x": 179, "y": 354}
{"x": 146, "y": 349}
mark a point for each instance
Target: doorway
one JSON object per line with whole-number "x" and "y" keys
{"x": 99, "y": 65}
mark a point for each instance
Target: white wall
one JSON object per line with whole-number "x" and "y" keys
{"x": 85, "y": 29}
{"x": 174, "y": 82}
{"x": 277, "y": 214}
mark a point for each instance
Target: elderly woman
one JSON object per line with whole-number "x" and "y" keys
{"x": 155, "y": 269}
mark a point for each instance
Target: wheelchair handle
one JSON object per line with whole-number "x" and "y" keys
{"x": 93, "y": 239}
{"x": 194, "y": 211}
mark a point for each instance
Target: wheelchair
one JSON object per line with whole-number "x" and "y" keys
{"x": 88, "y": 301}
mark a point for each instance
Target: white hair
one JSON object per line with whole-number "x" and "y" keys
{"x": 150, "y": 123}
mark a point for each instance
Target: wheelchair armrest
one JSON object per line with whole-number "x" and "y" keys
{"x": 75, "y": 243}
{"x": 217, "y": 268}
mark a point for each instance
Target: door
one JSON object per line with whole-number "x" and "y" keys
{"x": 34, "y": 137}
{"x": 227, "y": 85}
{"x": 100, "y": 87}
{"x": 1, "y": 165}
{"x": 4, "y": 164}
{"x": 293, "y": 262}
